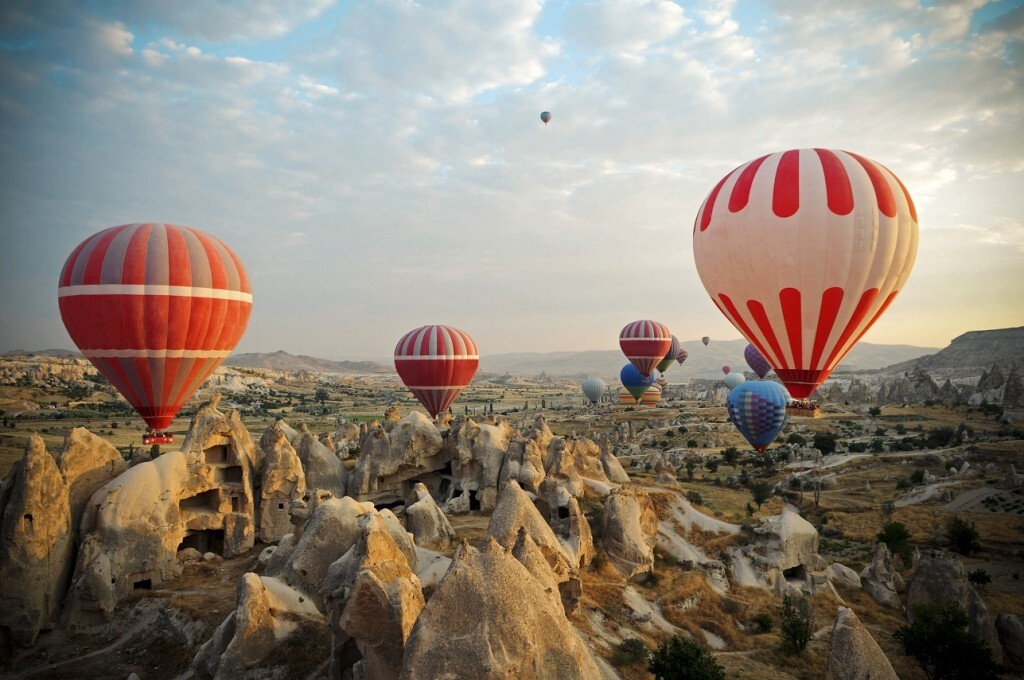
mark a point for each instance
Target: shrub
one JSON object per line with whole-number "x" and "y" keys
{"x": 896, "y": 537}
{"x": 875, "y": 411}
{"x": 760, "y": 492}
{"x": 731, "y": 455}
{"x": 712, "y": 465}
{"x": 680, "y": 658}
{"x": 979, "y": 577}
{"x": 939, "y": 642}
{"x": 695, "y": 497}
{"x": 963, "y": 536}
{"x": 631, "y": 651}
{"x": 857, "y": 447}
{"x": 917, "y": 476}
{"x": 731, "y": 606}
{"x": 825, "y": 442}
{"x": 796, "y": 438}
{"x": 795, "y": 624}
{"x": 765, "y": 622}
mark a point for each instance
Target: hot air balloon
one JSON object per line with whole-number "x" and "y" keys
{"x": 546, "y": 116}
{"x": 802, "y": 251}
{"x": 645, "y": 343}
{"x": 734, "y": 380}
{"x": 435, "y": 363}
{"x": 651, "y": 396}
{"x": 681, "y": 355}
{"x": 705, "y": 340}
{"x": 670, "y": 356}
{"x": 726, "y": 369}
{"x": 156, "y": 308}
{"x": 594, "y": 389}
{"x": 756, "y": 362}
{"x": 758, "y": 410}
{"x": 634, "y": 382}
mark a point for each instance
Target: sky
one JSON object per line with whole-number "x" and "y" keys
{"x": 382, "y": 165}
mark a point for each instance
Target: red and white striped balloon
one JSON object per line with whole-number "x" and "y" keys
{"x": 156, "y": 308}
{"x": 645, "y": 343}
{"x": 802, "y": 251}
{"x": 435, "y": 363}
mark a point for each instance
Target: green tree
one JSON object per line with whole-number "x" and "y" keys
{"x": 875, "y": 411}
{"x": 731, "y": 455}
{"x": 825, "y": 442}
{"x": 631, "y": 651}
{"x": 963, "y": 536}
{"x": 943, "y": 648}
{"x": 796, "y": 438}
{"x": 795, "y": 624}
{"x": 154, "y": 451}
{"x": 760, "y": 492}
{"x": 680, "y": 658}
{"x": 321, "y": 395}
{"x": 896, "y": 536}
{"x": 691, "y": 465}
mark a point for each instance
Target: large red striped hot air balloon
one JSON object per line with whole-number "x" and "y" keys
{"x": 435, "y": 363}
{"x": 156, "y": 308}
{"x": 645, "y": 344}
{"x": 802, "y": 251}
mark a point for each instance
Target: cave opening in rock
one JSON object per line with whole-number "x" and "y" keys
{"x": 204, "y": 540}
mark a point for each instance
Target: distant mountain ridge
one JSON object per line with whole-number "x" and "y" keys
{"x": 283, "y": 361}
{"x": 973, "y": 352}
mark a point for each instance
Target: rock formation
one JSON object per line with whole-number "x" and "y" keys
{"x": 389, "y": 461}
{"x": 939, "y": 576}
{"x": 87, "y": 463}
{"x": 881, "y": 580}
{"x": 425, "y": 521}
{"x": 490, "y": 619}
{"x": 282, "y": 481}
{"x": 35, "y": 544}
{"x": 630, "y": 532}
{"x": 1011, "y": 636}
{"x": 853, "y": 654}
{"x": 322, "y": 468}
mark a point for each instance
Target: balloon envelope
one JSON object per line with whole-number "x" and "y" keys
{"x": 705, "y": 340}
{"x": 594, "y": 389}
{"x": 802, "y": 251}
{"x": 670, "y": 356}
{"x": 156, "y": 308}
{"x": 757, "y": 363}
{"x": 634, "y": 382}
{"x": 758, "y": 410}
{"x": 681, "y": 355}
{"x": 726, "y": 369}
{"x": 734, "y": 380}
{"x": 546, "y": 116}
{"x": 435, "y": 363}
{"x": 645, "y": 343}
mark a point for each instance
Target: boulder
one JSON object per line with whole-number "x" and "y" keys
{"x": 373, "y": 598}
{"x": 429, "y": 526}
{"x": 1010, "y": 628}
{"x": 254, "y": 637}
{"x": 35, "y": 544}
{"x": 612, "y": 467}
{"x": 853, "y": 654}
{"x": 387, "y": 460}
{"x": 630, "y": 532}
{"x": 940, "y": 576}
{"x": 880, "y": 579}
{"x": 840, "y": 573}
{"x": 282, "y": 481}
{"x": 788, "y": 539}
{"x": 490, "y": 619}
{"x": 524, "y": 463}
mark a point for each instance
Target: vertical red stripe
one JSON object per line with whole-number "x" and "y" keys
{"x": 906, "y": 195}
{"x": 218, "y": 275}
{"x": 789, "y": 298}
{"x": 69, "y": 265}
{"x": 858, "y": 315}
{"x": 838, "y": 190}
{"x": 831, "y": 300}
{"x": 765, "y": 326}
{"x": 94, "y": 265}
{"x": 786, "y": 193}
{"x": 741, "y": 190}
{"x": 709, "y": 204}
{"x": 883, "y": 192}
{"x": 869, "y": 324}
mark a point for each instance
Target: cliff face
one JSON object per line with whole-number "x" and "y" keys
{"x": 974, "y": 352}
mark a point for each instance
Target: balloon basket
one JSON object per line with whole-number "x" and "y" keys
{"x": 157, "y": 438}
{"x": 803, "y": 409}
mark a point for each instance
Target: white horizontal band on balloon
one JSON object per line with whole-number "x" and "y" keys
{"x": 156, "y": 353}
{"x": 426, "y": 357}
{"x": 153, "y": 289}
{"x": 435, "y": 387}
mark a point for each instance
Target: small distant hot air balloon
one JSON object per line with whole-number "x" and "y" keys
{"x": 734, "y": 380}
{"x": 546, "y": 116}
{"x": 651, "y": 396}
{"x": 681, "y": 355}
{"x": 634, "y": 382}
{"x": 156, "y": 308}
{"x": 435, "y": 363}
{"x": 670, "y": 356}
{"x": 827, "y": 239}
{"x": 726, "y": 369}
{"x": 594, "y": 389}
{"x": 756, "y": 362}
{"x": 758, "y": 410}
{"x": 705, "y": 340}
{"x": 645, "y": 343}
